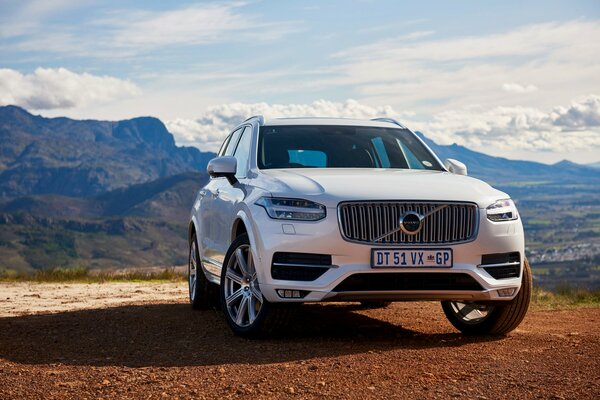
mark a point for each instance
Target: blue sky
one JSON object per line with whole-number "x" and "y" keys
{"x": 517, "y": 79}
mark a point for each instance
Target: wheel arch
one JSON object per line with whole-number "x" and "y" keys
{"x": 243, "y": 224}
{"x": 192, "y": 228}
{"x": 238, "y": 228}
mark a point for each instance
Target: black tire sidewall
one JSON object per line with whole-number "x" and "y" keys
{"x": 496, "y": 322}
{"x": 194, "y": 301}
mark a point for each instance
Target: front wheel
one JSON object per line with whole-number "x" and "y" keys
{"x": 247, "y": 312}
{"x": 497, "y": 319}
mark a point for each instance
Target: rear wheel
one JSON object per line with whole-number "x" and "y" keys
{"x": 497, "y": 319}
{"x": 203, "y": 294}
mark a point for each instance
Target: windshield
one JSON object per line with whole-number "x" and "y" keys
{"x": 330, "y": 146}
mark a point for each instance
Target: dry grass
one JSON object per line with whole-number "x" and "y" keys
{"x": 87, "y": 276}
{"x": 564, "y": 297}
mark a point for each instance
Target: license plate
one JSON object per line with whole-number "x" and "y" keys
{"x": 410, "y": 258}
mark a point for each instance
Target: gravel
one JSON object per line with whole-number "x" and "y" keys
{"x": 115, "y": 343}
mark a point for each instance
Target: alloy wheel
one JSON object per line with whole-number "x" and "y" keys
{"x": 243, "y": 298}
{"x": 470, "y": 313}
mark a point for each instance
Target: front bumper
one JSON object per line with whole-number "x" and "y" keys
{"x": 348, "y": 259}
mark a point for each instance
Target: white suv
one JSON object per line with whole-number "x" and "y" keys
{"x": 323, "y": 209}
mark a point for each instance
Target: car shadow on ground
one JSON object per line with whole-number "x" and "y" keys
{"x": 175, "y": 335}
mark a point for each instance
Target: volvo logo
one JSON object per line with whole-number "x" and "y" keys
{"x": 411, "y": 223}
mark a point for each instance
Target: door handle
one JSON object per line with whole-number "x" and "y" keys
{"x": 216, "y": 193}
{"x": 203, "y": 193}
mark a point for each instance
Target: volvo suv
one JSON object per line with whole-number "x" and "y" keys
{"x": 327, "y": 209}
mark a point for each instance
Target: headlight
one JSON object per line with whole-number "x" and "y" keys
{"x": 292, "y": 209}
{"x": 502, "y": 210}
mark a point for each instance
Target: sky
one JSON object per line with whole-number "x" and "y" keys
{"x": 511, "y": 78}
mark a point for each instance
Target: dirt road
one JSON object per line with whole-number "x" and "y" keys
{"x": 142, "y": 340}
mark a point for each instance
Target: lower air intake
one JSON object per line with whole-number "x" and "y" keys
{"x": 407, "y": 281}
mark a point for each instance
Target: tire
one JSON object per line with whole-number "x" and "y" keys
{"x": 374, "y": 304}
{"x": 202, "y": 293}
{"x": 496, "y": 319}
{"x": 246, "y": 311}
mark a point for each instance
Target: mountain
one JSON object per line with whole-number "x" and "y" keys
{"x": 75, "y": 158}
{"x": 168, "y": 198}
{"x": 499, "y": 170}
{"x": 141, "y": 225}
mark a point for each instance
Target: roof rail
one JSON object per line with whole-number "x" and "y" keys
{"x": 261, "y": 119}
{"x": 390, "y": 120}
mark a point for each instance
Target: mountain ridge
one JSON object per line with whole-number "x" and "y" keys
{"x": 82, "y": 158}
{"x": 500, "y": 170}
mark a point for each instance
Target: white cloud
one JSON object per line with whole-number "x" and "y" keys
{"x": 583, "y": 114}
{"x": 129, "y": 32}
{"x": 517, "y": 88}
{"x": 49, "y": 88}
{"x": 500, "y": 128}
{"x": 561, "y": 129}
{"x": 191, "y": 25}
{"x": 209, "y": 130}
{"x": 440, "y": 73}
{"x": 21, "y": 18}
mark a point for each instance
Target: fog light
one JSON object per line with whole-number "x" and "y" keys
{"x": 291, "y": 294}
{"x": 506, "y": 292}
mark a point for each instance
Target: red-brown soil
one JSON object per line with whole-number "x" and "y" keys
{"x": 159, "y": 347}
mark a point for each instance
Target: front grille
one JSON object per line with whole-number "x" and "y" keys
{"x": 407, "y": 281}
{"x": 299, "y": 266}
{"x": 367, "y": 222}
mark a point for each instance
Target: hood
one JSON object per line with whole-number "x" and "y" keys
{"x": 331, "y": 186}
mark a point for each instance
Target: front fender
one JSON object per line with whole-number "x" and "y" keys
{"x": 255, "y": 240}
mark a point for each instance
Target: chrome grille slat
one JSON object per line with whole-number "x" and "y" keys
{"x": 365, "y": 221}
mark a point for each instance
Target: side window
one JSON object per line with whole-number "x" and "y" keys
{"x": 233, "y": 142}
{"x": 242, "y": 153}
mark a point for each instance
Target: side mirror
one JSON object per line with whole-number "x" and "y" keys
{"x": 225, "y": 166}
{"x": 455, "y": 166}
